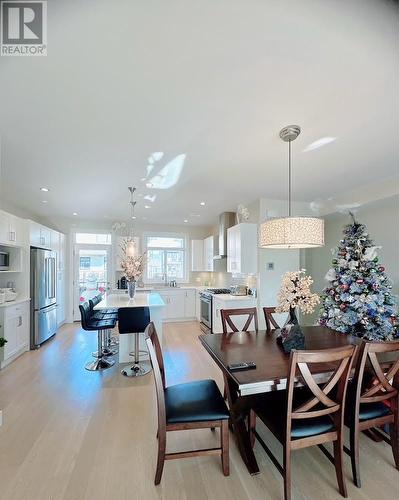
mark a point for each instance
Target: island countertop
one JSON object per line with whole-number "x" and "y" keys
{"x": 115, "y": 301}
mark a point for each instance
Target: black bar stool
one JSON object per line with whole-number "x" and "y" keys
{"x": 135, "y": 320}
{"x": 88, "y": 324}
{"x": 110, "y": 343}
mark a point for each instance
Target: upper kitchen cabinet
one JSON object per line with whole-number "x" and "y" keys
{"x": 12, "y": 230}
{"x": 242, "y": 249}
{"x": 208, "y": 253}
{"x": 197, "y": 255}
{"x": 44, "y": 237}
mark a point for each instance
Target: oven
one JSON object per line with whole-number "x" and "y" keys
{"x": 4, "y": 261}
{"x": 206, "y": 312}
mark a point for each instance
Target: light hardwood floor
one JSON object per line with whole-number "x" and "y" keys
{"x": 69, "y": 434}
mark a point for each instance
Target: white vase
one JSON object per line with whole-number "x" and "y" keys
{"x": 131, "y": 289}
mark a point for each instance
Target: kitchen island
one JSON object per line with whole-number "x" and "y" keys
{"x": 151, "y": 300}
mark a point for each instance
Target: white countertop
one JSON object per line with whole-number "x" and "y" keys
{"x": 227, "y": 297}
{"x": 14, "y": 302}
{"x": 117, "y": 300}
{"x": 160, "y": 288}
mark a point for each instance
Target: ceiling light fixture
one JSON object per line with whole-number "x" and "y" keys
{"x": 130, "y": 244}
{"x": 44, "y": 201}
{"x": 75, "y": 214}
{"x": 202, "y": 203}
{"x": 45, "y": 190}
{"x": 291, "y": 232}
{"x": 319, "y": 143}
{"x": 185, "y": 221}
{"x": 147, "y": 206}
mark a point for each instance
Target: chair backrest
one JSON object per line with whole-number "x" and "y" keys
{"x": 94, "y": 301}
{"x": 133, "y": 319}
{"x": 327, "y": 399}
{"x": 382, "y": 381}
{"x": 156, "y": 358}
{"x": 271, "y": 323}
{"x": 85, "y": 314}
{"x": 251, "y": 312}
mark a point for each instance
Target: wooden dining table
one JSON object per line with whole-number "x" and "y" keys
{"x": 269, "y": 375}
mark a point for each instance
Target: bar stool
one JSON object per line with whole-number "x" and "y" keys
{"x": 88, "y": 324}
{"x": 110, "y": 343}
{"x": 135, "y": 320}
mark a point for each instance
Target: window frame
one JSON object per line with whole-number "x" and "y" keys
{"x": 184, "y": 249}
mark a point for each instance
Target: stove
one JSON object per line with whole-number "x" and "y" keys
{"x": 206, "y": 307}
{"x": 217, "y": 291}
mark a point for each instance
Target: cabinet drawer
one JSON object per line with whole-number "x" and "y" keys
{"x": 17, "y": 310}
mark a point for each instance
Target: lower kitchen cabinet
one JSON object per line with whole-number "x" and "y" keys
{"x": 14, "y": 327}
{"x": 180, "y": 304}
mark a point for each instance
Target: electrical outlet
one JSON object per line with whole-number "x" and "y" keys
{"x": 270, "y": 266}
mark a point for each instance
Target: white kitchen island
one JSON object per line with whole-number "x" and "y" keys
{"x": 151, "y": 300}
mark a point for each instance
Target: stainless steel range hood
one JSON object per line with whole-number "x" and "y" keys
{"x": 226, "y": 220}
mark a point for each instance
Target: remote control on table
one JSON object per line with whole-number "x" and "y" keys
{"x": 235, "y": 367}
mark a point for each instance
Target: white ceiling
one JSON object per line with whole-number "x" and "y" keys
{"x": 212, "y": 80}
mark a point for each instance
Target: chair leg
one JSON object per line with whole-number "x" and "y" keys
{"x": 225, "y": 393}
{"x": 394, "y": 433}
{"x": 161, "y": 456}
{"x": 224, "y": 440}
{"x": 339, "y": 464}
{"x": 252, "y": 427}
{"x": 287, "y": 472}
{"x": 354, "y": 449}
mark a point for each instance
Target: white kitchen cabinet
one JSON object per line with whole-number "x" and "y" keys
{"x": 40, "y": 236}
{"x": 14, "y": 327}
{"x": 189, "y": 304}
{"x": 174, "y": 302}
{"x": 208, "y": 254}
{"x": 242, "y": 249}
{"x": 62, "y": 252}
{"x": 230, "y": 302}
{"x": 11, "y": 229}
{"x": 197, "y": 255}
{"x": 180, "y": 304}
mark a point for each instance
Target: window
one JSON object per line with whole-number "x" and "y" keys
{"x": 93, "y": 239}
{"x": 166, "y": 257}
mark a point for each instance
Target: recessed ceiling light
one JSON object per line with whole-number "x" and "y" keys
{"x": 133, "y": 217}
{"x": 202, "y": 203}
{"x": 147, "y": 206}
{"x": 44, "y": 201}
{"x": 45, "y": 190}
{"x": 185, "y": 221}
{"x": 149, "y": 185}
{"x": 319, "y": 143}
{"x": 75, "y": 214}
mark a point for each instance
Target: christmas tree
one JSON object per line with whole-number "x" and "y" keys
{"x": 358, "y": 299}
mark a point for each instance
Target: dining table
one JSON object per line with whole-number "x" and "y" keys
{"x": 270, "y": 374}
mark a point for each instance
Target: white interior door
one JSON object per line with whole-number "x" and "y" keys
{"x": 92, "y": 271}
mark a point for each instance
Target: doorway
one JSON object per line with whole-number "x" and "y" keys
{"x": 91, "y": 273}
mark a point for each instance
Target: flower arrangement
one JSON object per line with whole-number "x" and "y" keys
{"x": 295, "y": 292}
{"x": 132, "y": 265}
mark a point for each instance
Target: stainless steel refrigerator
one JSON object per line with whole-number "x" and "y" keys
{"x": 43, "y": 292}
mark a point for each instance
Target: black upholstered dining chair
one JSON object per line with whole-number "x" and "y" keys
{"x": 191, "y": 405}
{"x": 373, "y": 400}
{"x": 310, "y": 415}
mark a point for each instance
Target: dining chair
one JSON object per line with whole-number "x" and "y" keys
{"x": 191, "y": 405}
{"x": 271, "y": 323}
{"x": 226, "y": 315}
{"x": 310, "y": 415}
{"x": 373, "y": 400}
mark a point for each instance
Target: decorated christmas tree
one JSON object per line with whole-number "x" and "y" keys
{"x": 358, "y": 298}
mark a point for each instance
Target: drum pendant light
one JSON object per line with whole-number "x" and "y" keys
{"x": 291, "y": 232}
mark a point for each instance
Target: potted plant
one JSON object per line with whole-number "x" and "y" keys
{"x": 295, "y": 293}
